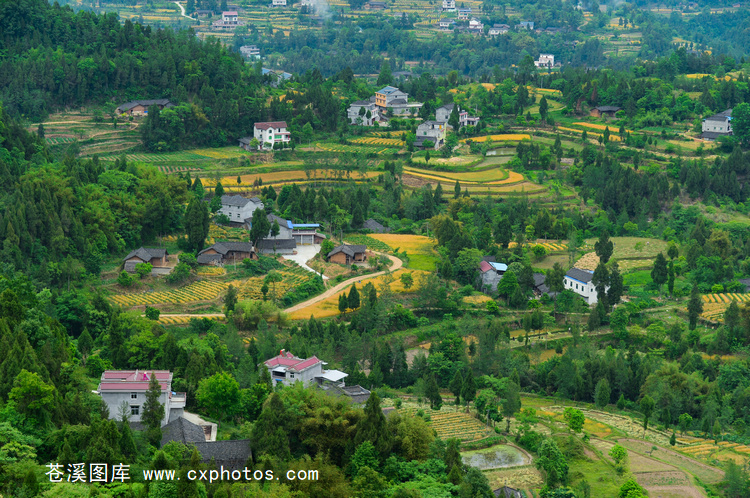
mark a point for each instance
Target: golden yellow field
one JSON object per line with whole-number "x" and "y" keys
{"x": 330, "y": 306}
{"x": 612, "y": 129}
{"x": 495, "y": 176}
{"x": 499, "y": 138}
{"x": 282, "y": 176}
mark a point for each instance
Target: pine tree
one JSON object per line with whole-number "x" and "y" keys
{"x": 604, "y": 247}
{"x": 695, "y": 307}
{"x": 196, "y": 224}
{"x": 385, "y": 77}
{"x": 432, "y": 393}
{"x": 659, "y": 273}
{"x": 219, "y": 189}
{"x": 453, "y": 118}
{"x": 40, "y": 130}
{"x": 357, "y": 217}
{"x": 469, "y": 389}
{"x": 456, "y": 384}
{"x": 373, "y": 427}
{"x": 260, "y": 226}
{"x": 353, "y": 300}
{"x": 457, "y": 190}
{"x": 153, "y": 411}
{"x": 343, "y": 303}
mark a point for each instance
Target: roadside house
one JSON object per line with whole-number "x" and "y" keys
{"x": 269, "y": 133}
{"x": 154, "y": 255}
{"x": 140, "y": 107}
{"x": 346, "y": 254}
{"x": 226, "y": 253}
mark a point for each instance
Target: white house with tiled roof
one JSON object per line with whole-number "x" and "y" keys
{"x": 269, "y": 133}
{"x": 129, "y": 386}
{"x": 287, "y": 369}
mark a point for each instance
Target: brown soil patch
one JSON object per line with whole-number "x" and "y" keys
{"x": 670, "y": 478}
{"x": 674, "y": 492}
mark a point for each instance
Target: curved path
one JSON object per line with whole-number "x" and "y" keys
{"x": 182, "y": 9}
{"x": 397, "y": 263}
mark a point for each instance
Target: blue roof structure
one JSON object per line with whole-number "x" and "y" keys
{"x": 499, "y": 266}
{"x": 305, "y": 225}
{"x": 388, "y": 89}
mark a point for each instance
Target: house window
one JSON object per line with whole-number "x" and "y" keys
{"x": 291, "y": 375}
{"x": 135, "y": 410}
{"x": 133, "y": 395}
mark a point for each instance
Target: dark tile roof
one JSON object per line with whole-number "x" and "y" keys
{"x": 580, "y": 275}
{"x": 489, "y": 259}
{"x": 608, "y": 108}
{"x": 374, "y": 226}
{"x": 246, "y": 141}
{"x": 236, "y": 200}
{"x": 278, "y": 219}
{"x": 722, "y": 116}
{"x": 205, "y": 259}
{"x": 539, "y": 279}
{"x": 507, "y": 492}
{"x": 182, "y": 431}
{"x": 349, "y": 250}
{"x": 146, "y": 103}
{"x": 232, "y": 454}
{"x": 270, "y": 244}
{"x": 224, "y": 247}
{"x": 146, "y": 253}
{"x": 713, "y": 135}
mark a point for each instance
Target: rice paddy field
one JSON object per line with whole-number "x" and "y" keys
{"x": 203, "y": 290}
{"x": 631, "y": 253}
{"x": 613, "y": 137}
{"x": 62, "y": 129}
{"x": 449, "y": 424}
{"x": 505, "y": 137}
{"x": 367, "y": 149}
{"x": 281, "y": 177}
{"x": 420, "y": 250}
{"x": 714, "y": 305}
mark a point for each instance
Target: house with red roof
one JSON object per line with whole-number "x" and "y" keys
{"x": 287, "y": 369}
{"x": 127, "y": 388}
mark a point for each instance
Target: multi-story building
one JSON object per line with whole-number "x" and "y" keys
{"x": 434, "y": 131}
{"x": 449, "y": 5}
{"x": 250, "y": 51}
{"x": 238, "y": 208}
{"x": 580, "y": 282}
{"x": 545, "y": 60}
{"x": 357, "y": 117}
{"x": 717, "y": 125}
{"x": 127, "y": 389}
{"x": 229, "y": 20}
{"x": 270, "y": 133}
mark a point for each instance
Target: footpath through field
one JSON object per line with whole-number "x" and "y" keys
{"x": 397, "y": 263}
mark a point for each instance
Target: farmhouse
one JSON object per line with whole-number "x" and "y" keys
{"x": 229, "y": 20}
{"x": 446, "y": 24}
{"x": 306, "y": 234}
{"x": 283, "y": 243}
{"x": 287, "y": 369}
{"x": 545, "y": 60}
{"x": 475, "y": 25}
{"x": 718, "y": 125}
{"x": 491, "y": 273}
{"x": 238, "y": 208}
{"x": 604, "y": 111}
{"x": 388, "y": 94}
{"x": 498, "y": 29}
{"x": 579, "y": 281}
{"x": 449, "y": 5}
{"x": 444, "y": 113}
{"x": 376, "y": 6}
{"x": 250, "y": 51}
{"x": 128, "y": 387}
{"x": 464, "y": 14}
{"x": 154, "y": 255}
{"x": 357, "y": 116}
{"x": 140, "y": 107}
{"x": 540, "y": 286}
{"x": 374, "y": 226}
{"x": 276, "y": 77}
{"x": 433, "y": 131}
{"x": 226, "y": 253}
{"x": 346, "y": 254}
{"x": 526, "y": 25}
{"x": 270, "y": 133}
{"x": 278, "y": 3}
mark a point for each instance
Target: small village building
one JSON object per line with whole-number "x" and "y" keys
{"x": 718, "y": 125}
{"x": 250, "y": 51}
{"x": 545, "y": 60}
{"x": 306, "y": 234}
{"x": 156, "y": 256}
{"x": 229, "y": 21}
{"x": 238, "y": 208}
{"x": 228, "y": 252}
{"x": 540, "y": 286}
{"x": 203, "y": 13}
{"x": 475, "y": 25}
{"x": 580, "y": 282}
{"x": 507, "y": 492}
{"x": 498, "y": 29}
{"x": 449, "y": 5}
{"x": 388, "y": 94}
{"x": 229, "y": 454}
{"x": 491, "y": 273}
{"x": 270, "y": 133}
{"x": 128, "y": 388}
{"x": 276, "y": 76}
{"x": 434, "y": 131}
{"x": 140, "y": 107}
{"x": 347, "y": 254}
{"x": 277, "y": 246}
{"x": 444, "y": 113}
{"x": 278, "y": 3}
{"x": 607, "y": 111}
{"x": 374, "y": 226}
{"x": 358, "y": 117}
{"x": 464, "y": 14}
{"x": 375, "y": 6}
{"x": 446, "y": 24}
{"x": 529, "y": 25}
{"x": 287, "y": 369}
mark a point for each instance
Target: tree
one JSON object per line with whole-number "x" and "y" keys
{"x": 604, "y": 247}
{"x": 631, "y": 489}
{"x": 275, "y": 229}
{"x": 741, "y": 122}
{"x": 647, "y": 408}
{"x": 457, "y": 190}
{"x": 672, "y": 251}
{"x": 125, "y": 279}
{"x": 602, "y": 393}
{"x": 40, "y": 130}
{"x": 552, "y": 463}
{"x": 511, "y": 401}
{"x": 385, "y": 77}
{"x": 230, "y": 300}
{"x": 373, "y": 427}
{"x": 307, "y": 132}
{"x": 196, "y": 224}
{"x": 659, "y": 273}
{"x": 453, "y": 119}
{"x": 673, "y": 439}
{"x": 272, "y": 278}
{"x": 260, "y": 226}
{"x": 684, "y": 421}
{"x": 143, "y": 269}
{"x": 357, "y": 217}
{"x": 85, "y": 343}
{"x": 353, "y": 299}
{"x": 153, "y": 411}
{"x": 219, "y": 189}
{"x": 34, "y": 398}
{"x": 504, "y": 231}
{"x": 457, "y": 382}
{"x": 432, "y": 393}
{"x": 407, "y": 280}
{"x": 152, "y": 313}
{"x": 695, "y": 307}
{"x": 469, "y": 388}
{"x": 343, "y": 303}
{"x": 219, "y": 395}
{"x": 543, "y": 108}
{"x": 618, "y": 453}
{"x": 600, "y": 279}
{"x": 574, "y": 418}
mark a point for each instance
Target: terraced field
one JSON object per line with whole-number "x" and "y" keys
{"x": 291, "y": 176}
{"x": 203, "y": 290}
{"x": 390, "y": 142}
{"x": 509, "y": 137}
{"x": 451, "y": 424}
{"x": 613, "y": 136}
{"x": 714, "y": 305}
{"x": 367, "y": 149}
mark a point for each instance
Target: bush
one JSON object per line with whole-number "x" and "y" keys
{"x": 312, "y": 287}
{"x": 325, "y": 247}
{"x": 143, "y": 269}
{"x": 189, "y": 259}
{"x": 180, "y": 273}
{"x": 261, "y": 266}
{"x": 125, "y": 279}
{"x": 152, "y": 313}
{"x": 531, "y": 440}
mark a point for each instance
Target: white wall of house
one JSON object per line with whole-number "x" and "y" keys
{"x": 585, "y": 290}
{"x": 135, "y": 400}
{"x": 238, "y": 214}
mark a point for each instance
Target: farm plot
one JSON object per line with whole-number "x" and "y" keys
{"x": 419, "y": 249}
{"x": 550, "y": 246}
{"x": 184, "y": 319}
{"x": 395, "y": 142}
{"x": 495, "y": 176}
{"x": 458, "y": 425}
{"x": 291, "y": 278}
{"x": 175, "y": 169}
{"x": 510, "y": 137}
{"x": 714, "y": 305}
{"x": 612, "y": 129}
{"x": 701, "y": 470}
{"x": 203, "y": 290}
{"x": 370, "y": 242}
{"x": 630, "y": 252}
{"x": 613, "y": 137}
{"x": 289, "y": 176}
{"x": 368, "y": 149}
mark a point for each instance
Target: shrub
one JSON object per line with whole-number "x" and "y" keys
{"x": 152, "y": 313}
{"x": 125, "y": 279}
{"x": 189, "y": 259}
{"x": 143, "y": 269}
{"x": 180, "y": 273}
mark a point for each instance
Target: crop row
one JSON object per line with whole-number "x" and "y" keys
{"x": 59, "y": 140}
{"x": 213, "y": 271}
{"x": 378, "y": 141}
{"x": 612, "y": 137}
{"x": 175, "y": 169}
{"x": 181, "y": 320}
{"x": 352, "y": 148}
{"x": 203, "y": 290}
{"x": 725, "y": 298}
